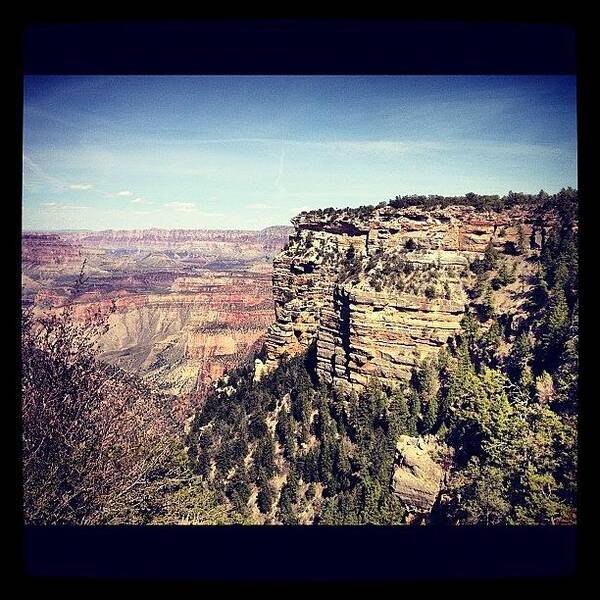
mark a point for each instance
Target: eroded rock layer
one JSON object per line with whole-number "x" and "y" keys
{"x": 189, "y": 305}
{"x": 378, "y": 289}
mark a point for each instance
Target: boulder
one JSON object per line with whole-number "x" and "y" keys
{"x": 417, "y": 478}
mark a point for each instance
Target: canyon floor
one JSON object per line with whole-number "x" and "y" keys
{"x": 187, "y": 305}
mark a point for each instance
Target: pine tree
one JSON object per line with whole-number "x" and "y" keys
{"x": 341, "y": 467}
{"x": 486, "y": 308}
{"x": 486, "y": 348}
{"x": 520, "y": 357}
{"x": 470, "y": 327}
{"x": 286, "y": 434}
{"x": 238, "y": 489}
{"x": 326, "y": 463}
{"x": 567, "y": 373}
{"x": 431, "y": 415}
{"x": 203, "y": 463}
{"x": 398, "y": 415}
{"x": 553, "y": 329}
{"x": 289, "y": 497}
{"x": 265, "y": 496}
{"x": 310, "y": 472}
{"x": 414, "y": 406}
{"x": 265, "y": 454}
{"x": 371, "y": 495}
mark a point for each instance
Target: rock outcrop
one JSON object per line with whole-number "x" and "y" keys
{"x": 378, "y": 289}
{"x": 417, "y": 478}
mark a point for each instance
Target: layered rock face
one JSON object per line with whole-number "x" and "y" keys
{"x": 190, "y": 305}
{"x": 371, "y": 334}
{"x": 376, "y": 290}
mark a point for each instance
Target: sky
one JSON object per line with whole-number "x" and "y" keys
{"x": 246, "y": 152}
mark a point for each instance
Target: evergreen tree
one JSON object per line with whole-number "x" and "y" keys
{"x": 520, "y": 357}
{"x": 486, "y": 308}
{"x": 286, "y": 434}
{"x": 553, "y": 330}
{"x": 398, "y": 416}
{"x": 265, "y": 454}
{"x": 486, "y": 347}
{"x": 238, "y": 489}
{"x": 342, "y": 468}
{"x": 289, "y": 497}
{"x": 414, "y": 406}
{"x": 203, "y": 463}
{"x": 310, "y": 472}
{"x": 265, "y": 496}
{"x": 567, "y": 373}
{"x": 431, "y": 415}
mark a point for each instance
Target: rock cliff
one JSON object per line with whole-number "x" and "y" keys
{"x": 378, "y": 289}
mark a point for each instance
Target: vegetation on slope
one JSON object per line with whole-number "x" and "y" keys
{"x": 99, "y": 447}
{"x": 563, "y": 201}
{"x": 502, "y": 395}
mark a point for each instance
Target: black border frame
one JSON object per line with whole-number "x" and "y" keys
{"x": 70, "y": 45}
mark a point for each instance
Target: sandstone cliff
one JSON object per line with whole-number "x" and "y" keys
{"x": 378, "y": 289}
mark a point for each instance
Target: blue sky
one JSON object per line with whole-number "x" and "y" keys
{"x": 247, "y": 152}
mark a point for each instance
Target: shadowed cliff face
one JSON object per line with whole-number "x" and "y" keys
{"x": 188, "y": 305}
{"x": 380, "y": 289}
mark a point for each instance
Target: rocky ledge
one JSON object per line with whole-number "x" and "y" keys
{"x": 376, "y": 290}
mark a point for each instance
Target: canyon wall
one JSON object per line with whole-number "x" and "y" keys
{"x": 378, "y": 289}
{"x": 189, "y": 305}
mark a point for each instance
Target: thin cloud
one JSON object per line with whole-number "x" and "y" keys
{"x": 278, "y": 185}
{"x": 33, "y": 167}
{"x": 387, "y": 147}
{"x": 259, "y": 206}
{"x": 81, "y": 186}
{"x": 124, "y": 193}
{"x": 55, "y": 206}
{"x": 182, "y": 206}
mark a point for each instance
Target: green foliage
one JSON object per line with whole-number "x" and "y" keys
{"x": 520, "y": 357}
{"x": 288, "y": 498}
{"x": 98, "y": 444}
{"x": 502, "y": 395}
{"x": 286, "y": 433}
{"x": 522, "y": 473}
{"x": 398, "y": 415}
{"x": 486, "y": 308}
{"x": 414, "y": 407}
{"x": 430, "y": 292}
{"x": 265, "y": 496}
{"x": 505, "y": 276}
{"x": 490, "y": 259}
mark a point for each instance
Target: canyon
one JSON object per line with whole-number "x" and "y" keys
{"x": 183, "y": 306}
{"x": 367, "y": 366}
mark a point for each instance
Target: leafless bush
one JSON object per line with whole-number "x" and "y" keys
{"x": 95, "y": 440}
